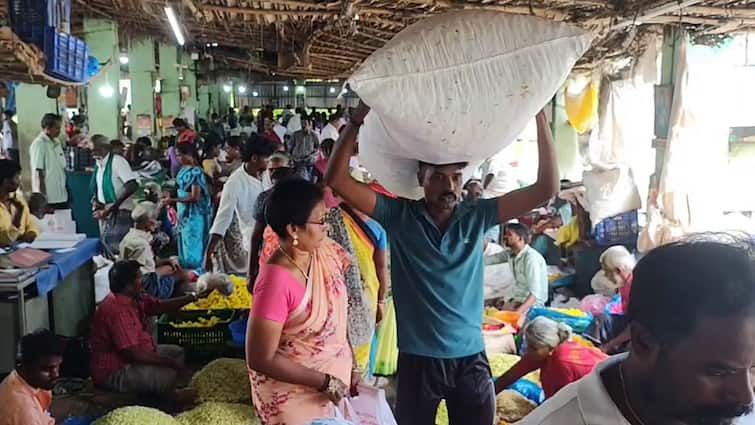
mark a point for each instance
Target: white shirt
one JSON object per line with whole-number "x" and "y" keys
{"x": 531, "y": 276}
{"x": 136, "y": 246}
{"x": 586, "y": 402}
{"x": 8, "y": 142}
{"x": 329, "y": 132}
{"x": 122, "y": 174}
{"x": 47, "y": 154}
{"x": 280, "y": 131}
{"x": 239, "y": 197}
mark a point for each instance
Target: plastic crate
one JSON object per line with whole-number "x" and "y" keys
{"x": 30, "y": 18}
{"x": 66, "y": 56}
{"x": 617, "y": 230}
{"x": 196, "y": 341}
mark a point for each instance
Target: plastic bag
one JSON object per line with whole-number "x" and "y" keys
{"x": 369, "y": 408}
{"x": 595, "y": 304}
{"x": 530, "y": 390}
{"x": 582, "y": 108}
{"x": 447, "y": 80}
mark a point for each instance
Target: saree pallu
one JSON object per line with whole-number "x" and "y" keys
{"x": 364, "y": 250}
{"x": 314, "y": 336}
{"x": 194, "y": 220}
{"x": 361, "y": 317}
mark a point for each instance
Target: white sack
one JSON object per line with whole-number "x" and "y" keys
{"x": 610, "y": 192}
{"x": 458, "y": 87}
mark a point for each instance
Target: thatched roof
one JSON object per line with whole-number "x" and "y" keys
{"x": 328, "y": 39}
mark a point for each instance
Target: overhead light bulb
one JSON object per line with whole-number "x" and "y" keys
{"x": 173, "y": 21}
{"x": 332, "y": 89}
{"x": 214, "y": 44}
{"x": 227, "y": 88}
{"x": 242, "y": 89}
{"x": 285, "y": 88}
{"x": 106, "y": 91}
{"x": 255, "y": 93}
{"x": 123, "y": 59}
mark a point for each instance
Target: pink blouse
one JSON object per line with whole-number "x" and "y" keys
{"x": 276, "y": 294}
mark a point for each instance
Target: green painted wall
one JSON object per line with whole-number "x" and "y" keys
{"x": 102, "y": 37}
{"x": 170, "y": 82}
{"x": 31, "y": 104}
{"x": 204, "y": 102}
{"x": 141, "y": 69}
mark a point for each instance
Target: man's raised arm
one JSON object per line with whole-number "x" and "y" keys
{"x": 338, "y": 178}
{"x": 522, "y": 201}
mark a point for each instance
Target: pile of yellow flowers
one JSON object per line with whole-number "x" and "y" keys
{"x": 136, "y": 415}
{"x": 239, "y": 299}
{"x": 220, "y": 414}
{"x": 223, "y": 380}
{"x": 202, "y": 322}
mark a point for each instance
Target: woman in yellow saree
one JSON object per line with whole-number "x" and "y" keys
{"x": 299, "y": 358}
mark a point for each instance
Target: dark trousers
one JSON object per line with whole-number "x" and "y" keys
{"x": 13, "y": 155}
{"x": 464, "y": 383}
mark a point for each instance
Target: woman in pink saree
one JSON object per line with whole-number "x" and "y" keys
{"x": 299, "y": 357}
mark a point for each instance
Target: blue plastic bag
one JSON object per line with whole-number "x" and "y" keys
{"x": 330, "y": 422}
{"x": 577, "y": 324}
{"x": 93, "y": 67}
{"x": 529, "y": 390}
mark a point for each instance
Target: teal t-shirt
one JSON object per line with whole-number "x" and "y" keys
{"x": 437, "y": 278}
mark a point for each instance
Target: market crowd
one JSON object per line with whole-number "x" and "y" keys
{"x": 284, "y": 201}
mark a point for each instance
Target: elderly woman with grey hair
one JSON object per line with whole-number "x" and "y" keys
{"x": 617, "y": 265}
{"x": 160, "y": 277}
{"x": 549, "y": 348}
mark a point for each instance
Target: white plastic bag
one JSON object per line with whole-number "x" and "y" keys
{"x": 458, "y": 87}
{"x": 609, "y": 192}
{"x": 369, "y": 408}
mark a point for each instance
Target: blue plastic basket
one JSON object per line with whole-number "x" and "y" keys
{"x": 67, "y": 56}
{"x": 78, "y": 420}
{"x": 238, "y": 330}
{"x": 617, "y": 230}
{"x": 30, "y": 18}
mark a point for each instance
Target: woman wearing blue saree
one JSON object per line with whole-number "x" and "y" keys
{"x": 194, "y": 204}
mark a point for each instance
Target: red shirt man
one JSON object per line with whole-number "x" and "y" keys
{"x": 120, "y": 323}
{"x": 125, "y": 357}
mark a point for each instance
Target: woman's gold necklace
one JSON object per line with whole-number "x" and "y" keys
{"x": 288, "y": 257}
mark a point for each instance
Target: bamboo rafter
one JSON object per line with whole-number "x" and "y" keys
{"x": 339, "y": 34}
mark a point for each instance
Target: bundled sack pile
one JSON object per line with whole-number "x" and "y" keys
{"x": 223, "y": 380}
{"x": 458, "y": 87}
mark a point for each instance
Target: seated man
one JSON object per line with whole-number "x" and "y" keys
{"x": 125, "y": 357}
{"x": 160, "y": 277}
{"x": 16, "y": 224}
{"x": 530, "y": 271}
{"x": 26, "y": 394}
{"x": 39, "y": 209}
